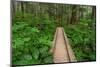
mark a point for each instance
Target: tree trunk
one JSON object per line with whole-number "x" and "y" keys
{"x": 93, "y": 16}
{"x": 13, "y": 7}
{"x": 22, "y": 9}
{"x": 73, "y": 15}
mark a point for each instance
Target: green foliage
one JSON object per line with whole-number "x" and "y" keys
{"x": 82, "y": 38}
{"x": 34, "y": 30}
{"x": 34, "y": 25}
{"x": 31, "y": 41}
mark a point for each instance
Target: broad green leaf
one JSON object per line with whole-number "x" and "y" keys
{"x": 35, "y": 52}
{"x": 27, "y": 39}
{"x": 34, "y": 30}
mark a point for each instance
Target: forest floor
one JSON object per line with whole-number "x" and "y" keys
{"x": 60, "y": 53}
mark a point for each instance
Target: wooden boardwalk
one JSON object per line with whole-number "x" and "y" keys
{"x": 61, "y": 49}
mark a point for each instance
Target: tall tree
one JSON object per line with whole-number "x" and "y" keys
{"x": 13, "y": 6}
{"x": 93, "y": 16}
{"x": 73, "y": 14}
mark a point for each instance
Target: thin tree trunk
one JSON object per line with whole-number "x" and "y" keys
{"x": 73, "y": 15}
{"x": 13, "y": 7}
{"x": 93, "y": 16}
{"x": 22, "y": 9}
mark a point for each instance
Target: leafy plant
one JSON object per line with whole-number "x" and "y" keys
{"x": 31, "y": 43}
{"x": 82, "y": 39}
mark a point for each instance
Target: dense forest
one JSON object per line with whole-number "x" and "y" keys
{"x": 34, "y": 25}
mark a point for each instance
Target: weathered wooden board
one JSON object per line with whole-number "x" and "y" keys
{"x": 62, "y": 51}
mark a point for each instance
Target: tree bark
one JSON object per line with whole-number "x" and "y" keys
{"x": 13, "y": 7}
{"x": 93, "y": 16}
{"x": 73, "y": 15}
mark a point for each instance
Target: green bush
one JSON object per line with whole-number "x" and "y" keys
{"x": 82, "y": 39}
{"x": 31, "y": 43}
